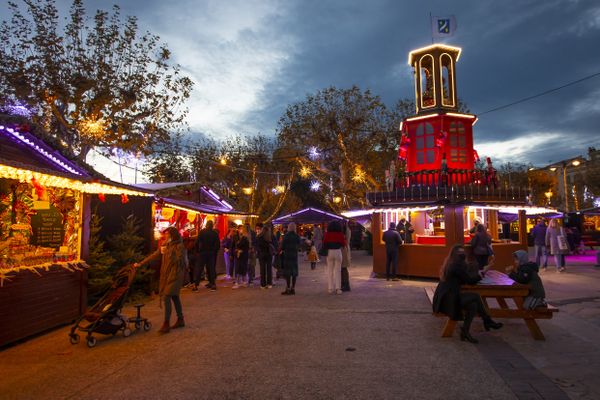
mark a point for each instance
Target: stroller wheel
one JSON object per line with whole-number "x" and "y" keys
{"x": 147, "y": 325}
{"x": 74, "y": 338}
{"x": 138, "y": 324}
{"x": 91, "y": 341}
{"x": 126, "y": 332}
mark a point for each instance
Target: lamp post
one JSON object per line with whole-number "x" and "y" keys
{"x": 574, "y": 163}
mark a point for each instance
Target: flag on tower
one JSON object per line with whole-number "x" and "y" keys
{"x": 443, "y": 26}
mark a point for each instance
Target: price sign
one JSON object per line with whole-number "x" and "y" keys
{"x": 47, "y": 228}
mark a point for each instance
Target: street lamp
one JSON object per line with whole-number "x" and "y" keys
{"x": 574, "y": 163}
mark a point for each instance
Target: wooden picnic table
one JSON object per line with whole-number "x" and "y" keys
{"x": 500, "y": 287}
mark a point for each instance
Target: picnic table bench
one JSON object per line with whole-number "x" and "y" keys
{"x": 500, "y": 287}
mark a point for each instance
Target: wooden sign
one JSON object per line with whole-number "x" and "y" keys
{"x": 47, "y": 228}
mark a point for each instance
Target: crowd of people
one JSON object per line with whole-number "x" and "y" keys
{"x": 279, "y": 249}
{"x": 243, "y": 247}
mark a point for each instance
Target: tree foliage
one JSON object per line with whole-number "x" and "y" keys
{"x": 96, "y": 82}
{"x": 354, "y": 133}
{"x": 99, "y": 260}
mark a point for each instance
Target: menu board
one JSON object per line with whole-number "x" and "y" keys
{"x": 47, "y": 228}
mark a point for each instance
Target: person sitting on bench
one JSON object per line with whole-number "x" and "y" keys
{"x": 449, "y": 300}
{"x": 526, "y": 272}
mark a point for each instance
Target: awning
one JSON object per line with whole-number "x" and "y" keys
{"x": 307, "y": 216}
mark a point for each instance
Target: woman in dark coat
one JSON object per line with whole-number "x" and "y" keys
{"x": 289, "y": 247}
{"x": 242, "y": 253}
{"x": 265, "y": 248}
{"x": 449, "y": 300}
{"x": 172, "y": 271}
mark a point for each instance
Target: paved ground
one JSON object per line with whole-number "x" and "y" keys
{"x": 379, "y": 341}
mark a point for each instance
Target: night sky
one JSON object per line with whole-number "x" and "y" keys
{"x": 250, "y": 59}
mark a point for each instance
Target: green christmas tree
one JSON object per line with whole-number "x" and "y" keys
{"x": 127, "y": 248}
{"x": 100, "y": 261}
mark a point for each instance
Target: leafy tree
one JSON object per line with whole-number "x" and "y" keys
{"x": 94, "y": 82}
{"x": 355, "y": 134}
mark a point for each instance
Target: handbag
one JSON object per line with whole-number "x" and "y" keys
{"x": 323, "y": 251}
{"x": 563, "y": 246}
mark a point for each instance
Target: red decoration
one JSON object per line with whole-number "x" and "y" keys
{"x": 403, "y": 153}
{"x": 124, "y": 199}
{"x": 475, "y": 155}
{"x": 39, "y": 189}
{"x": 440, "y": 140}
{"x": 101, "y": 197}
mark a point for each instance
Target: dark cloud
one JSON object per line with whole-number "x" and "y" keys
{"x": 511, "y": 49}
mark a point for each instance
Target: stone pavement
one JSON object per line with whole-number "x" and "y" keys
{"x": 379, "y": 341}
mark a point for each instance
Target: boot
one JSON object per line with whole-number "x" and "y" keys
{"x": 164, "y": 328}
{"x": 489, "y": 323}
{"x": 465, "y": 335}
{"x": 180, "y": 323}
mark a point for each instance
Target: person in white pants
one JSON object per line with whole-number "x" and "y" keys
{"x": 333, "y": 241}
{"x": 334, "y": 269}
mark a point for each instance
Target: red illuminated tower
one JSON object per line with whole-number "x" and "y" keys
{"x": 438, "y": 137}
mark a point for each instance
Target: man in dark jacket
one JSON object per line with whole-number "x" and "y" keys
{"x": 207, "y": 246}
{"x": 392, "y": 240}
{"x": 539, "y": 242}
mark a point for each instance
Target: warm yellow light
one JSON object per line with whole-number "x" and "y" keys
{"x": 247, "y": 190}
{"x": 553, "y": 169}
{"x": 431, "y": 47}
{"x": 421, "y": 117}
{"x": 359, "y": 175}
{"x": 576, "y": 163}
{"x": 280, "y": 188}
{"x": 548, "y": 194}
{"x": 305, "y": 171}
{"x": 337, "y": 199}
{"x": 460, "y": 115}
{"x": 532, "y": 168}
{"x": 238, "y": 222}
{"x": 23, "y": 175}
{"x": 223, "y": 161}
{"x": 92, "y": 127}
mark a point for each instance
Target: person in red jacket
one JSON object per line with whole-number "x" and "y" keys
{"x": 333, "y": 241}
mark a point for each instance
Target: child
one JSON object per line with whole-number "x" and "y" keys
{"x": 313, "y": 257}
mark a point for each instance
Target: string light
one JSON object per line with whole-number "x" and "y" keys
{"x": 305, "y": 171}
{"x": 313, "y": 153}
{"x": 247, "y": 190}
{"x": 315, "y": 186}
{"x": 23, "y": 175}
{"x": 92, "y": 127}
{"x": 337, "y": 199}
{"x": 359, "y": 175}
{"x": 223, "y": 161}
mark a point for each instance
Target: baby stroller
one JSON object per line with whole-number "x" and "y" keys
{"x": 105, "y": 316}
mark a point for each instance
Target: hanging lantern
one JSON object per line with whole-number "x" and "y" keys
{"x": 124, "y": 199}
{"x": 39, "y": 188}
{"x": 101, "y": 197}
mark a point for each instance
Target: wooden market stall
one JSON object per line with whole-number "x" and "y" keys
{"x": 189, "y": 206}
{"x": 44, "y": 228}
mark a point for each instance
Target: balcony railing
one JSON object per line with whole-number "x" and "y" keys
{"x": 459, "y": 186}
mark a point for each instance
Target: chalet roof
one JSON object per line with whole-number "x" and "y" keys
{"x": 307, "y": 216}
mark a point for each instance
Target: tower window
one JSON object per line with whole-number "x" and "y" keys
{"x": 458, "y": 142}
{"x": 447, "y": 77}
{"x": 425, "y": 143}
{"x": 427, "y": 81}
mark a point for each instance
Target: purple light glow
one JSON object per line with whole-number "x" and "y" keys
{"x": 22, "y": 137}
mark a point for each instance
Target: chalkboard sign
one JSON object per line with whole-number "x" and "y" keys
{"x": 47, "y": 228}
